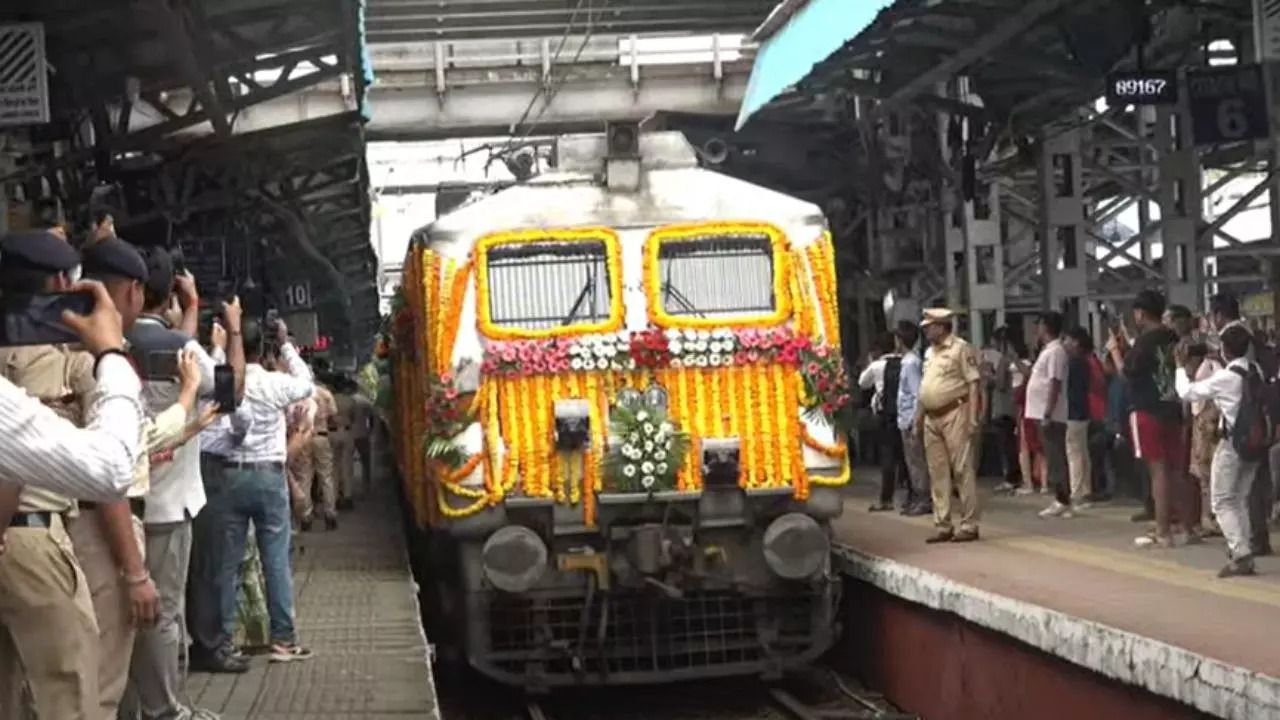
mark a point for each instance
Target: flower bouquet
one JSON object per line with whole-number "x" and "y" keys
{"x": 449, "y": 413}
{"x": 649, "y": 452}
{"x": 827, "y": 399}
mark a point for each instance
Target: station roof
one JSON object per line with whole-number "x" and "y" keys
{"x": 430, "y": 20}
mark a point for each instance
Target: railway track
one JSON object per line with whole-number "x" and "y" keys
{"x": 823, "y": 696}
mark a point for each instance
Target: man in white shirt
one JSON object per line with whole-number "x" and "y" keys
{"x": 257, "y": 490}
{"x": 1047, "y": 406}
{"x": 893, "y": 467}
{"x": 1231, "y": 476}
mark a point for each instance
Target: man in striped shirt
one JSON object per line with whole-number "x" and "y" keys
{"x": 254, "y": 481}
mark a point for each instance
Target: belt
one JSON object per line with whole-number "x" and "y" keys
{"x": 953, "y": 405}
{"x": 137, "y": 506}
{"x": 32, "y": 520}
{"x": 277, "y": 465}
{"x": 322, "y": 434}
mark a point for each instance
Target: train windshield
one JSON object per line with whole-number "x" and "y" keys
{"x": 727, "y": 275}
{"x": 535, "y": 286}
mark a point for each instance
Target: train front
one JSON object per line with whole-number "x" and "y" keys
{"x": 624, "y": 422}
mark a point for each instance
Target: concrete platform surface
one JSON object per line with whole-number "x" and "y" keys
{"x": 357, "y": 609}
{"x": 1079, "y": 588}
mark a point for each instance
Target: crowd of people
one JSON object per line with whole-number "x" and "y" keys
{"x": 1175, "y": 409}
{"x": 153, "y": 475}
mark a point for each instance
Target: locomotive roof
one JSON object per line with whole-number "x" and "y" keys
{"x": 673, "y": 190}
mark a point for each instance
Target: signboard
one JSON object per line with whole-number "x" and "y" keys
{"x": 1228, "y": 104}
{"x": 297, "y": 295}
{"x": 24, "y": 82}
{"x": 1152, "y": 87}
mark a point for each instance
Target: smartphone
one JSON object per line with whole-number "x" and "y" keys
{"x": 37, "y": 319}
{"x": 224, "y": 388}
{"x": 159, "y": 365}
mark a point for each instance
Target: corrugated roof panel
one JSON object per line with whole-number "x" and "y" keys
{"x": 815, "y": 32}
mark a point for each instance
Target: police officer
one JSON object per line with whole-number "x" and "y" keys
{"x": 343, "y": 438}
{"x": 950, "y": 418}
{"x": 322, "y": 457}
{"x": 44, "y": 600}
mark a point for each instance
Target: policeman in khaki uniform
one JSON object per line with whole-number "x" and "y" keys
{"x": 45, "y": 606}
{"x": 343, "y": 440}
{"x": 322, "y": 458}
{"x": 950, "y": 417}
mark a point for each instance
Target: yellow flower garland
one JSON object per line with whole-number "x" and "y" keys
{"x": 822, "y": 266}
{"x": 613, "y": 262}
{"x": 780, "y": 249}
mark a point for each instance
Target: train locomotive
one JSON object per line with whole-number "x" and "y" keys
{"x": 618, "y": 397}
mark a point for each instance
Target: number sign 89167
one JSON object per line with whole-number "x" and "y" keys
{"x": 1146, "y": 87}
{"x": 1156, "y": 87}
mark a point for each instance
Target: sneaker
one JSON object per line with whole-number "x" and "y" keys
{"x": 222, "y": 661}
{"x": 1024, "y": 490}
{"x": 1151, "y": 540}
{"x": 1082, "y": 505}
{"x": 305, "y": 525}
{"x": 880, "y": 507}
{"x": 289, "y": 653}
{"x": 1057, "y": 509}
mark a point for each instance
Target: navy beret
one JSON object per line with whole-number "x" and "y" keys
{"x": 114, "y": 257}
{"x": 38, "y": 250}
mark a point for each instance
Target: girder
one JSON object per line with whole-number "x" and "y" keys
{"x": 431, "y": 20}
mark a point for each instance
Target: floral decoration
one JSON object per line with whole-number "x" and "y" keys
{"x": 826, "y": 397}
{"x": 647, "y": 450}
{"x": 448, "y": 414}
{"x": 650, "y": 349}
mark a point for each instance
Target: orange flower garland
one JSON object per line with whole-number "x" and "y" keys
{"x": 613, "y": 263}
{"x": 780, "y": 249}
{"x": 822, "y": 266}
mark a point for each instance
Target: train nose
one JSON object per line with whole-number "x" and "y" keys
{"x": 796, "y": 547}
{"x": 514, "y": 559}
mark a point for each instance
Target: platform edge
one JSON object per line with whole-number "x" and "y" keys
{"x": 1204, "y": 683}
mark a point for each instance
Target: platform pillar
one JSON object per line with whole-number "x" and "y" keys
{"x": 1064, "y": 225}
{"x": 1179, "y": 194}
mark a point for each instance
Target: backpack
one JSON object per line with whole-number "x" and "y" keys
{"x": 889, "y": 395}
{"x": 1251, "y": 435}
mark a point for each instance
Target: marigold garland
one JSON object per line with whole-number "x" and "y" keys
{"x": 780, "y": 250}
{"x": 821, "y": 255}
{"x": 613, "y": 264}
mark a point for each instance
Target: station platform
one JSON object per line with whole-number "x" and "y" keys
{"x": 357, "y": 609}
{"x": 1079, "y": 589}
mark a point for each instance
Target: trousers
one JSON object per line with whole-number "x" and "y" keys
{"x": 1230, "y": 483}
{"x": 154, "y": 677}
{"x": 1079, "y": 459}
{"x": 111, "y": 608}
{"x": 319, "y": 466}
{"x": 46, "y": 607}
{"x": 917, "y": 468}
{"x": 260, "y": 496}
{"x": 344, "y": 461}
{"x": 1053, "y": 436}
{"x": 948, "y": 448}
{"x": 206, "y": 560}
{"x": 364, "y": 448}
{"x": 893, "y": 465}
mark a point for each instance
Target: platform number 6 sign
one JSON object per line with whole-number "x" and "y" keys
{"x": 1227, "y": 104}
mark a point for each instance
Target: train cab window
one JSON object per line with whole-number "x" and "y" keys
{"x": 716, "y": 276}
{"x": 540, "y": 286}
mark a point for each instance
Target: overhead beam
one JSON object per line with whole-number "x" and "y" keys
{"x": 1005, "y": 32}
{"x": 181, "y": 41}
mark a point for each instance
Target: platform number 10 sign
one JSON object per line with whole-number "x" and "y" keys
{"x": 297, "y": 295}
{"x": 1228, "y": 104}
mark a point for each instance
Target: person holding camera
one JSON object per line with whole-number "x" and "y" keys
{"x": 256, "y": 487}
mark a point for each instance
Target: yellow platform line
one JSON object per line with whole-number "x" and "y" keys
{"x": 1131, "y": 564}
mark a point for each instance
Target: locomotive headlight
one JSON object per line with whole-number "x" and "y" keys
{"x": 795, "y": 547}
{"x": 573, "y": 424}
{"x": 514, "y": 559}
{"x": 656, "y": 396}
{"x": 720, "y": 463}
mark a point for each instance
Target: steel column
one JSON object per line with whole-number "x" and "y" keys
{"x": 1063, "y": 226}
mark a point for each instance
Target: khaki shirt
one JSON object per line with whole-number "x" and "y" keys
{"x": 326, "y": 410}
{"x": 62, "y": 379}
{"x": 949, "y": 368}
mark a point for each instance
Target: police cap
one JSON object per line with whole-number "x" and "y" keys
{"x": 113, "y": 257}
{"x": 38, "y": 250}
